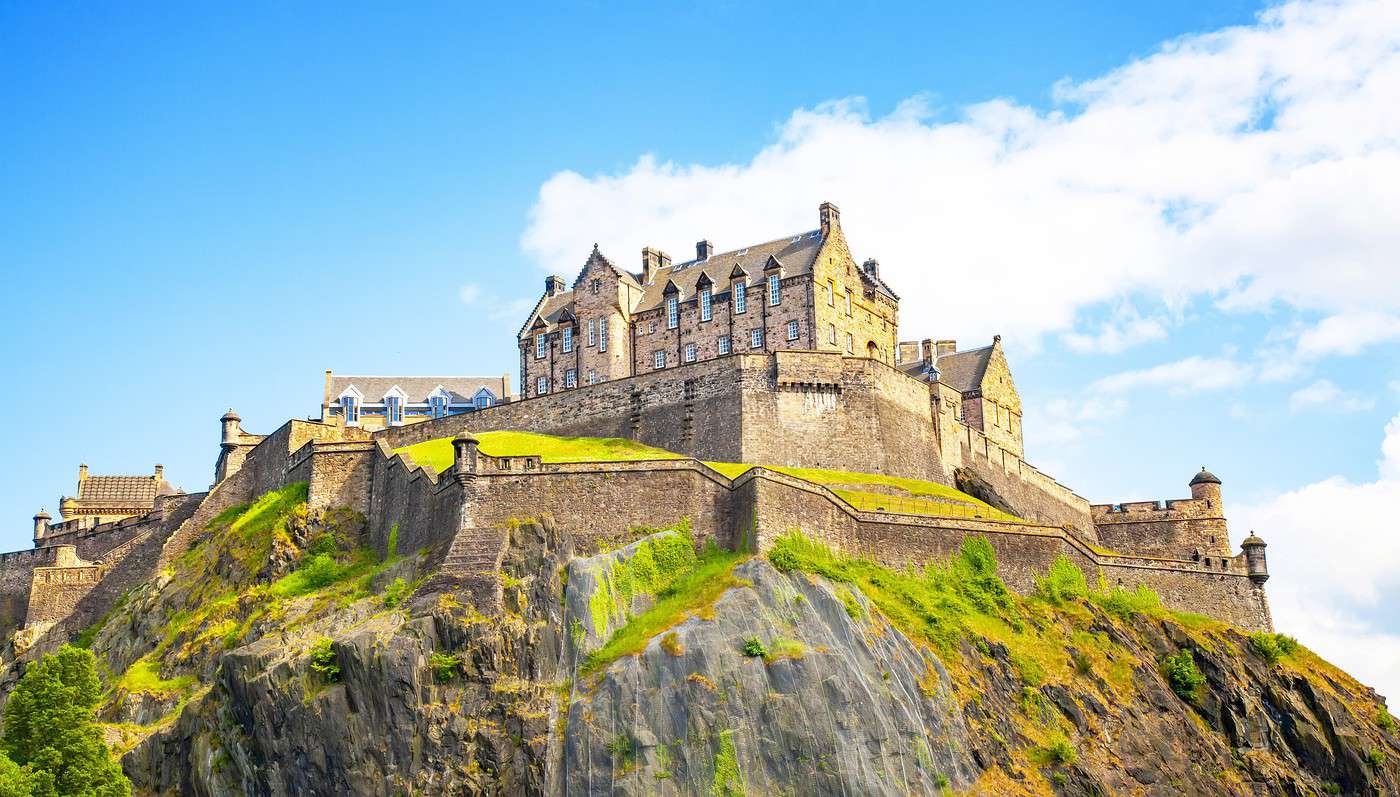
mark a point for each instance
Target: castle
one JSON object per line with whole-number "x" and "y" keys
{"x": 790, "y": 397}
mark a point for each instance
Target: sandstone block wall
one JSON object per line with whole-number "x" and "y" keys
{"x": 1175, "y": 528}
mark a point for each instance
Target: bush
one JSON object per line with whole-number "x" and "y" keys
{"x": 1182, "y": 674}
{"x": 1385, "y": 721}
{"x": 1125, "y": 604}
{"x": 323, "y": 543}
{"x": 1272, "y": 647}
{"x": 1060, "y": 750}
{"x": 395, "y": 593}
{"x": 753, "y": 648}
{"x": 1375, "y": 757}
{"x": 1064, "y": 582}
{"x": 671, "y": 643}
{"x": 445, "y": 667}
{"x": 323, "y": 661}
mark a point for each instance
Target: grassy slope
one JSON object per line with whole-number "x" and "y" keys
{"x": 438, "y": 453}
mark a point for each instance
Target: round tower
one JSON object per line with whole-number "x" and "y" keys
{"x": 230, "y": 425}
{"x": 1255, "y": 561}
{"x": 41, "y": 525}
{"x": 1206, "y": 485}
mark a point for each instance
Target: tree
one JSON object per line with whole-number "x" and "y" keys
{"x": 14, "y": 781}
{"x": 51, "y": 734}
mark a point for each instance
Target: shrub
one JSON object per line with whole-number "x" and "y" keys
{"x": 1059, "y": 750}
{"x": 323, "y": 661}
{"x": 323, "y": 543}
{"x": 624, "y": 748}
{"x": 445, "y": 666}
{"x": 1124, "y": 604}
{"x": 1182, "y": 674}
{"x": 785, "y": 649}
{"x": 1385, "y": 721}
{"x": 671, "y": 643}
{"x": 1375, "y": 757}
{"x": 852, "y": 606}
{"x": 1331, "y": 788}
{"x": 1272, "y": 647}
{"x": 1064, "y": 582}
{"x": 395, "y": 593}
{"x": 753, "y": 648}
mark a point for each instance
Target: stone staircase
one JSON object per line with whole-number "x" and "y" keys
{"x": 472, "y": 564}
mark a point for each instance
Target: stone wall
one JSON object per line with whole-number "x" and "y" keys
{"x": 425, "y": 510}
{"x": 1176, "y": 528}
{"x": 1031, "y": 493}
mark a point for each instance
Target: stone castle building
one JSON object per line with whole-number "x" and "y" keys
{"x": 658, "y": 351}
{"x": 104, "y": 499}
{"x": 377, "y": 402}
{"x": 802, "y": 291}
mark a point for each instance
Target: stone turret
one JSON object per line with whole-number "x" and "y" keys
{"x": 464, "y": 447}
{"x": 41, "y": 525}
{"x": 230, "y": 425}
{"x": 1256, "y": 563}
{"x": 1206, "y": 486}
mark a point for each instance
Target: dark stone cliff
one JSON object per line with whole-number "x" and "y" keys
{"x": 230, "y": 681}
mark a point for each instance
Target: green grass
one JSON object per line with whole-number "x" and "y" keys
{"x": 438, "y": 453}
{"x": 694, "y": 592}
{"x": 323, "y": 570}
{"x": 144, "y": 676}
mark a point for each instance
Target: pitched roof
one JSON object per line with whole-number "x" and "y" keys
{"x": 796, "y": 253}
{"x": 123, "y": 490}
{"x": 461, "y": 388}
{"x": 963, "y": 371}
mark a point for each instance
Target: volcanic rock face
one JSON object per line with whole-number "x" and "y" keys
{"x": 790, "y": 683}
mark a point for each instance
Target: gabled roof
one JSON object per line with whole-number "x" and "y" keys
{"x": 797, "y": 253}
{"x": 418, "y": 388}
{"x": 123, "y": 490}
{"x": 963, "y": 371}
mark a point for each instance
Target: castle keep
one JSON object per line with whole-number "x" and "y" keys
{"x": 782, "y": 354}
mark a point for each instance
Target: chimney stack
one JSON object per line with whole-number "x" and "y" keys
{"x": 160, "y": 472}
{"x": 946, "y": 347}
{"x": 830, "y": 217}
{"x": 872, "y": 267}
{"x": 926, "y": 352}
{"x": 553, "y": 285}
{"x": 704, "y": 250}
{"x": 82, "y": 473}
{"x": 652, "y": 261}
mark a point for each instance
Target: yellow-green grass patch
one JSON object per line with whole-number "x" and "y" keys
{"x": 550, "y": 448}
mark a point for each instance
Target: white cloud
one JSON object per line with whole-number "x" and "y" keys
{"x": 496, "y": 307}
{"x": 1335, "y": 561}
{"x": 469, "y": 293}
{"x": 1064, "y": 419}
{"x": 1348, "y": 333}
{"x": 1323, "y": 393}
{"x": 1123, "y": 332}
{"x": 1191, "y": 375}
{"x": 1241, "y": 164}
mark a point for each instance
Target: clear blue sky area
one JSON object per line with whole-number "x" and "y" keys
{"x": 205, "y": 207}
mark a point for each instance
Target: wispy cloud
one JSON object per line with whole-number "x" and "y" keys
{"x": 1324, "y": 394}
{"x": 1348, "y": 333}
{"x": 1190, "y": 375}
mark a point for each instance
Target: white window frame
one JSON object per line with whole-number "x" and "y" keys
{"x": 592, "y": 377}
{"x": 707, "y": 311}
{"x": 659, "y": 359}
{"x": 848, "y": 302}
{"x": 483, "y": 399}
{"x": 775, "y": 290}
{"x": 568, "y": 333}
{"x": 541, "y": 385}
{"x": 603, "y": 335}
{"x": 792, "y": 330}
{"x": 673, "y": 312}
{"x": 592, "y": 331}
{"x": 831, "y": 334}
{"x": 690, "y": 352}
{"x": 830, "y": 293}
{"x": 723, "y": 344}
{"x": 350, "y": 408}
{"x": 540, "y": 347}
{"x": 741, "y": 297}
{"x": 756, "y": 338}
{"x": 393, "y": 410}
{"x": 850, "y": 343}
{"x": 570, "y": 379}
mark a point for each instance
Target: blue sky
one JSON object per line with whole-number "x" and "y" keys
{"x": 1175, "y": 213}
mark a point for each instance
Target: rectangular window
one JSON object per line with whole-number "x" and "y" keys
{"x": 570, "y": 379}
{"x": 393, "y": 407}
{"x": 774, "y": 292}
{"x": 755, "y": 339}
{"x": 539, "y": 346}
{"x": 603, "y": 335}
{"x": 592, "y": 377}
{"x": 830, "y": 293}
{"x": 690, "y": 352}
{"x": 850, "y": 344}
{"x": 706, "y": 311}
{"x": 541, "y": 385}
{"x": 723, "y": 344}
{"x": 848, "y": 301}
{"x": 831, "y": 334}
{"x": 352, "y": 410}
{"x": 740, "y": 296}
{"x": 438, "y": 405}
{"x": 483, "y": 401}
{"x": 568, "y": 339}
{"x": 660, "y": 359}
{"x": 592, "y": 331}
{"x": 673, "y": 314}
{"x": 792, "y": 330}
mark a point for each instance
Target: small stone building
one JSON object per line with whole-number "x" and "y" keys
{"x": 103, "y": 499}
{"x": 376, "y": 402}
{"x": 975, "y": 384}
{"x": 802, "y": 291}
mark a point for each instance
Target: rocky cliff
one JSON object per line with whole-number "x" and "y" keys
{"x": 278, "y": 657}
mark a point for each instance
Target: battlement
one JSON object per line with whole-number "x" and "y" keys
{"x": 1141, "y": 511}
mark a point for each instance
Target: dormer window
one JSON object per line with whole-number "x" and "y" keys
{"x": 393, "y": 408}
{"x": 482, "y": 400}
{"x": 672, "y": 312}
{"x": 351, "y": 409}
{"x": 568, "y": 339}
{"x": 774, "y": 289}
{"x": 740, "y": 296}
{"x": 706, "y": 311}
{"x": 438, "y": 403}
{"x": 539, "y": 345}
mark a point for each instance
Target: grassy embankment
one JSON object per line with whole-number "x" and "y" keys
{"x": 438, "y": 453}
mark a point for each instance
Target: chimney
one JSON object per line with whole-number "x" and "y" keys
{"x": 652, "y": 261}
{"x": 926, "y": 352}
{"x": 160, "y": 472}
{"x": 326, "y": 395}
{"x": 704, "y": 250}
{"x": 872, "y": 267}
{"x": 946, "y": 347}
{"x": 553, "y": 285}
{"x": 505, "y": 387}
{"x": 831, "y": 218}
{"x": 82, "y": 473}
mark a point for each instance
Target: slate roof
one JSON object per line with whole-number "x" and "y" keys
{"x": 123, "y": 490}
{"x": 461, "y": 388}
{"x": 796, "y": 254}
{"x": 963, "y": 371}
